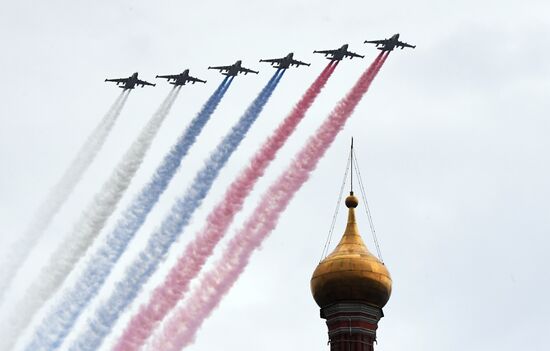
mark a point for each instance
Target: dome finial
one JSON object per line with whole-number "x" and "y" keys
{"x": 352, "y": 201}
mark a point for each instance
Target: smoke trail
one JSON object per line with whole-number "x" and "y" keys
{"x": 61, "y": 318}
{"x": 90, "y": 222}
{"x": 166, "y": 296}
{"x": 158, "y": 244}
{"x": 57, "y": 196}
{"x": 180, "y": 329}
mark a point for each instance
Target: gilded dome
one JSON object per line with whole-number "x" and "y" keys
{"x": 351, "y": 272}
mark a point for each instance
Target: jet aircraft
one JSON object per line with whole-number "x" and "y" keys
{"x": 233, "y": 70}
{"x": 338, "y": 54}
{"x": 390, "y": 44}
{"x": 181, "y": 79}
{"x": 130, "y": 82}
{"x": 285, "y": 62}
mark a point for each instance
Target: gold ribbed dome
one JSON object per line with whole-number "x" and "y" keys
{"x": 351, "y": 272}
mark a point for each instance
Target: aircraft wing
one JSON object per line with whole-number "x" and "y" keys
{"x": 353, "y": 54}
{"x": 326, "y": 52}
{"x": 194, "y": 80}
{"x": 221, "y": 68}
{"x": 402, "y": 45}
{"x": 247, "y": 70}
{"x": 298, "y": 63}
{"x": 144, "y": 83}
{"x": 272, "y": 60}
{"x": 118, "y": 80}
{"x": 377, "y": 42}
{"x": 169, "y": 76}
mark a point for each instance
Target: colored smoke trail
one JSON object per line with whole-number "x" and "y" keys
{"x": 57, "y": 196}
{"x": 179, "y": 331}
{"x": 61, "y": 318}
{"x": 160, "y": 241}
{"x": 166, "y": 296}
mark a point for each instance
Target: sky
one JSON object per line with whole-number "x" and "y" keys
{"x": 451, "y": 139}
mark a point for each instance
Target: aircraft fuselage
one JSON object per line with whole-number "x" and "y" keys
{"x": 286, "y": 62}
{"x": 340, "y": 53}
{"x": 130, "y": 83}
{"x": 233, "y": 70}
{"x": 392, "y": 43}
{"x": 182, "y": 79}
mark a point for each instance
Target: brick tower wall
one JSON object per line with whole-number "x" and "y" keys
{"x": 351, "y": 326}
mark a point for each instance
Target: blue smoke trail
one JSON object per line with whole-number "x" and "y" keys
{"x": 159, "y": 243}
{"x": 53, "y": 329}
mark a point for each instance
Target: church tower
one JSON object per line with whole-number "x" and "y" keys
{"x": 351, "y": 286}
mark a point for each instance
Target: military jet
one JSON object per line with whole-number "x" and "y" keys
{"x": 285, "y": 62}
{"x": 130, "y": 82}
{"x": 338, "y": 54}
{"x": 233, "y": 70}
{"x": 390, "y": 44}
{"x": 181, "y": 79}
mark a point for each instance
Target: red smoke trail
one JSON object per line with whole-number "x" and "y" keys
{"x": 180, "y": 329}
{"x": 166, "y": 296}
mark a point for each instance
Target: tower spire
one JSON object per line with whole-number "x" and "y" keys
{"x": 351, "y": 286}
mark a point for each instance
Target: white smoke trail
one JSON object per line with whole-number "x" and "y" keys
{"x": 57, "y": 196}
{"x": 86, "y": 229}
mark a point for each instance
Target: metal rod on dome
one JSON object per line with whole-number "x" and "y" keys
{"x": 367, "y": 209}
{"x": 351, "y": 173}
{"x": 335, "y": 215}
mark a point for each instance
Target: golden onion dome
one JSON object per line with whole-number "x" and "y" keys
{"x": 351, "y": 272}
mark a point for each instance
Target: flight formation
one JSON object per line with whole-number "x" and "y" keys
{"x": 170, "y": 316}
{"x": 385, "y": 45}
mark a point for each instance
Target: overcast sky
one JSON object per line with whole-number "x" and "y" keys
{"x": 452, "y": 141}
